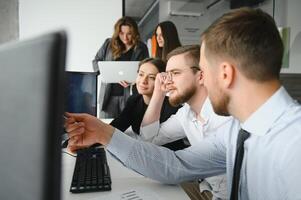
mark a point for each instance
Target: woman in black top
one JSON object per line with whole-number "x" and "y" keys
{"x": 136, "y": 105}
{"x": 125, "y": 45}
{"x": 167, "y": 39}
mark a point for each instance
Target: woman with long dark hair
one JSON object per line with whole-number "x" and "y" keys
{"x": 167, "y": 39}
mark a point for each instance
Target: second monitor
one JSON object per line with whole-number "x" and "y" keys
{"x": 81, "y": 92}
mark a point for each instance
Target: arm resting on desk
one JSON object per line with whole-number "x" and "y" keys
{"x": 167, "y": 166}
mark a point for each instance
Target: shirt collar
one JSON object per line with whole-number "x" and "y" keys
{"x": 190, "y": 113}
{"x": 262, "y": 120}
{"x": 204, "y": 113}
{"x": 207, "y": 109}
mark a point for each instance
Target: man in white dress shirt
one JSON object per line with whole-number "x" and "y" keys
{"x": 184, "y": 82}
{"x": 241, "y": 55}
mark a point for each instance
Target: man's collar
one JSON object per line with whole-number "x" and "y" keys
{"x": 205, "y": 112}
{"x": 263, "y": 119}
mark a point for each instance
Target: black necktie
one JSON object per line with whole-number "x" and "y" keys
{"x": 242, "y": 136}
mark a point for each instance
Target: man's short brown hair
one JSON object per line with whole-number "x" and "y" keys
{"x": 192, "y": 55}
{"x": 250, "y": 37}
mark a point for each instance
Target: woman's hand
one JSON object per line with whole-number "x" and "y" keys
{"x": 124, "y": 84}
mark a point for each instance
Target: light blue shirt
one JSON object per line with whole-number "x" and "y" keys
{"x": 271, "y": 167}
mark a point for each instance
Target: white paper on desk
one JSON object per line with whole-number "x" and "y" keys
{"x": 132, "y": 194}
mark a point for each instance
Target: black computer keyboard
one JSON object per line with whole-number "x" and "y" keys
{"x": 91, "y": 172}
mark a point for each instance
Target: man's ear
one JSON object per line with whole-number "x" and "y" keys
{"x": 201, "y": 77}
{"x": 227, "y": 74}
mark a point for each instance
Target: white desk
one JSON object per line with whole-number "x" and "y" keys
{"x": 123, "y": 180}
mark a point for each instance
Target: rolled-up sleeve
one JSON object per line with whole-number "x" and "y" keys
{"x": 166, "y": 132}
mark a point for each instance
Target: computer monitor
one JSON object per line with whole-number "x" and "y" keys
{"x": 31, "y": 109}
{"x": 81, "y": 92}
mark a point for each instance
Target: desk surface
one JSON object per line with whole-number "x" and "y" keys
{"x": 123, "y": 180}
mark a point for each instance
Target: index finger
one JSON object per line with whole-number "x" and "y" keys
{"x": 75, "y": 116}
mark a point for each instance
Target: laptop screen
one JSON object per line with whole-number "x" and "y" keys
{"x": 81, "y": 92}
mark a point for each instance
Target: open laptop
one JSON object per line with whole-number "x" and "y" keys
{"x": 31, "y": 109}
{"x": 116, "y": 71}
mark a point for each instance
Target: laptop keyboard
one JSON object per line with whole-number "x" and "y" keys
{"x": 91, "y": 172}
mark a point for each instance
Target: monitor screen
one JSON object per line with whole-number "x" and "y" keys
{"x": 31, "y": 110}
{"x": 81, "y": 92}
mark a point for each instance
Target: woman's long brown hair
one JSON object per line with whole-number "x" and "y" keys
{"x": 117, "y": 45}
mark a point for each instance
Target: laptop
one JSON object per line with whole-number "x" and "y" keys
{"x": 116, "y": 71}
{"x": 31, "y": 110}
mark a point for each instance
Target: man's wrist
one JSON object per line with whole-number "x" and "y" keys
{"x": 158, "y": 95}
{"x": 106, "y": 134}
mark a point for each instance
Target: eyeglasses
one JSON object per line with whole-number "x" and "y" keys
{"x": 168, "y": 76}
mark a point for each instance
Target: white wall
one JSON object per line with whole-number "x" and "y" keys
{"x": 9, "y": 29}
{"x": 88, "y": 24}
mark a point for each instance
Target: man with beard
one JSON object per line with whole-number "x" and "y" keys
{"x": 184, "y": 82}
{"x": 241, "y": 55}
